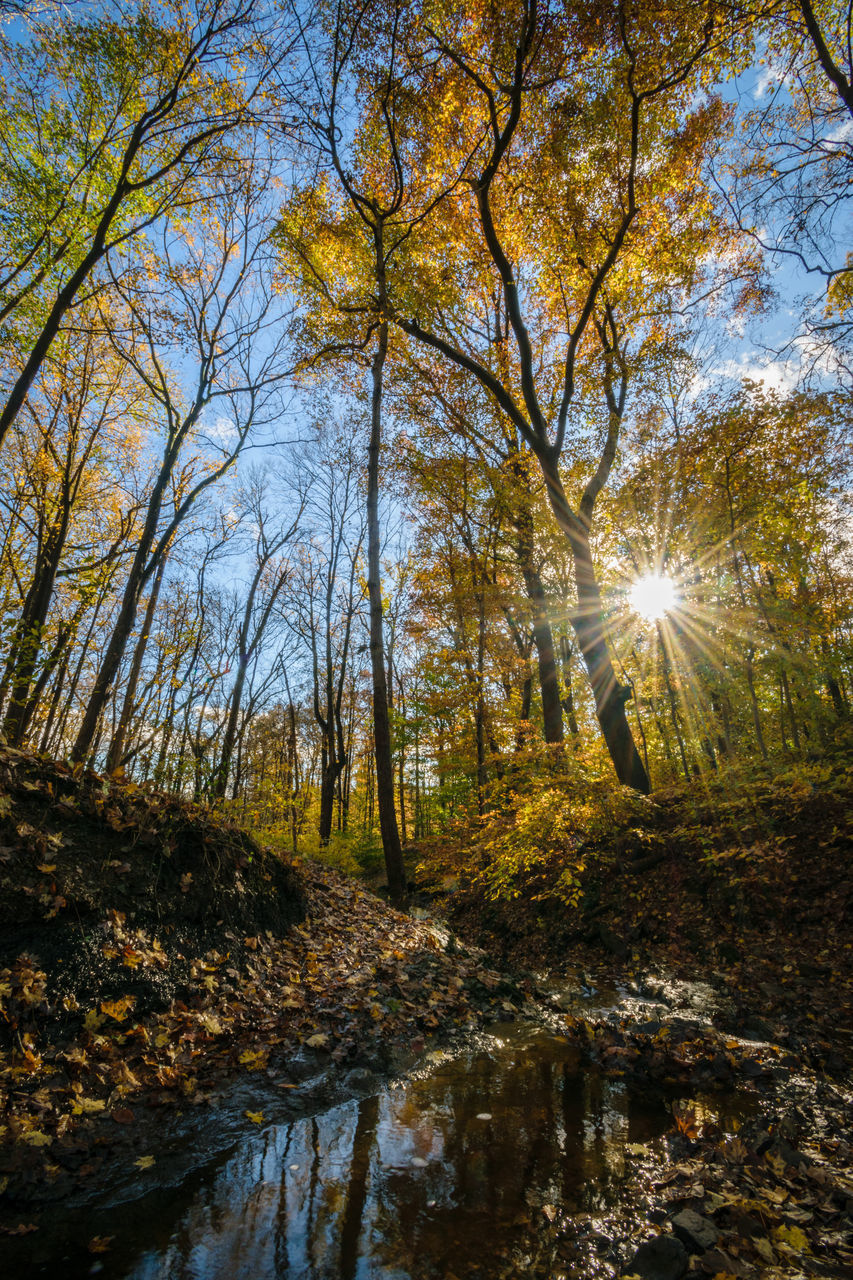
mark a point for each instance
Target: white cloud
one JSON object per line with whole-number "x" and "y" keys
{"x": 222, "y": 432}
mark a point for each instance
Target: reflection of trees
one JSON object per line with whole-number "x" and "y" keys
{"x": 555, "y": 1136}
{"x": 280, "y": 1248}
{"x": 362, "y": 1146}
{"x": 316, "y": 1198}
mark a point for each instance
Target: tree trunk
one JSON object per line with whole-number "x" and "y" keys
{"x": 543, "y": 638}
{"x": 116, "y": 749}
{"x": 381, "y": 728}
{"x": 753, "y": 702}
{"x": 549, "y": 681}
{"x": 26, "y": 643}
{"x": 588, "y": 624}
{"x": 330, "y": 770}
{"x": 47, "y": 732}
{"x": 673, "y": 705}
{"x": 220, "y": 781}
{"x": 610, "y": 695}
{"x": 569, "y": 699}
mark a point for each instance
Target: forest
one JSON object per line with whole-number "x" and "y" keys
{"x": 425, "y": 458}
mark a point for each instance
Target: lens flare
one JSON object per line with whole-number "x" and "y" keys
{"x": 653, "y": 596}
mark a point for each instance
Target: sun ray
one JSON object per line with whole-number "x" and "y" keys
{"x": 653, "y": 596}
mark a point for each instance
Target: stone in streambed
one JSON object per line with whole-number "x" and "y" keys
{"x": 694, "y": 1231}
{"x": 663, "y": 1258}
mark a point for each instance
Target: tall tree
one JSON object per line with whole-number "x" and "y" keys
{"x": 271, "y": 573}
{"x": 217, "y": 297}
{"x": 591, "y": 102}
{"x": 110, "y": 123}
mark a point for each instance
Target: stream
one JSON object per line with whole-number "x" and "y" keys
{"x": 501, "y": 1159}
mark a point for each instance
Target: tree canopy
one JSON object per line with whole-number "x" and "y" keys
{"x": 404, "y": 400}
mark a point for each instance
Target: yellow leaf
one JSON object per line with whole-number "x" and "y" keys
{"x": 317, "y": 1041}
{"x": 256, "y": 1117}
{"x": 47, "y": 867}
{"x": 144, "y": 1162}
{"x": 90, "y": 1105}
{"x": 36, "y": 1138}
{"x": 254, "y": 1059}
{"x": 118, "y": 1009}
{"x": 92, "y": 1020}
{"x": 793, "y": 1237}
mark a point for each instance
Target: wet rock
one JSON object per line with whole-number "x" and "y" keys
{"x": 615, "y": 945}
{"x": 694, "y": 1231}
{"x": 656, "y": 988}
{"x": 757, "y": 1029}
{"x": 663, "y": 1258}
{"x": 752, "y": 1069}
{"x": 728, "y": 953}
{"x": 721, "y": 1067}
{"x": 361, "y": 1080}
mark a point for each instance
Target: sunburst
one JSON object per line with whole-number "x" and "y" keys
{"x": 653, "y": 596}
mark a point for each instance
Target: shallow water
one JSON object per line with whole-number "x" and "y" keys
{"x": 448, "y": 1174}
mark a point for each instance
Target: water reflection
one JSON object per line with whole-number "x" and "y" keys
{"x": 438, "y": 1178}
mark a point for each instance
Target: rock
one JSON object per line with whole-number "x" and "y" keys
{"x": 757, "y": 1029}
{"x": 694, "y": 1231}
{"x": 612, "y": 943}
{"x": 663, "y": 1258}
{"x": 728, "y": 953}
{"x": 360, "y": 1080}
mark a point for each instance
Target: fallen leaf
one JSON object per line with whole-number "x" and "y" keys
{"x": 255, "y": 1059}
{"x": 256, "y": 1117}
{"x": 36, "y": 1138}
{"x": 793, "y": 1237}
{"x": 118, "y": 1009}
{"x": 144, "y": 1162}
{"x": 88, "y": 1105}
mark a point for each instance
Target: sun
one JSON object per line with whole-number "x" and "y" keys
{"x": 653, "y": 596}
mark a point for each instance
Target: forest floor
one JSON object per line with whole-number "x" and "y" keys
{"x": 153, "y": 956}
{"x": 725, "y": 926}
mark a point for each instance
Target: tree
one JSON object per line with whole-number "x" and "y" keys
{"x": 110, "y": 124}
{"x": 329, "y": 596}
{"x": 217, "y": 298}
{"x": 80, "y": 427}
{"x": 593, "y": 103}
{"x": 270, "y": 575}
{"x": 789, "y": 183}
